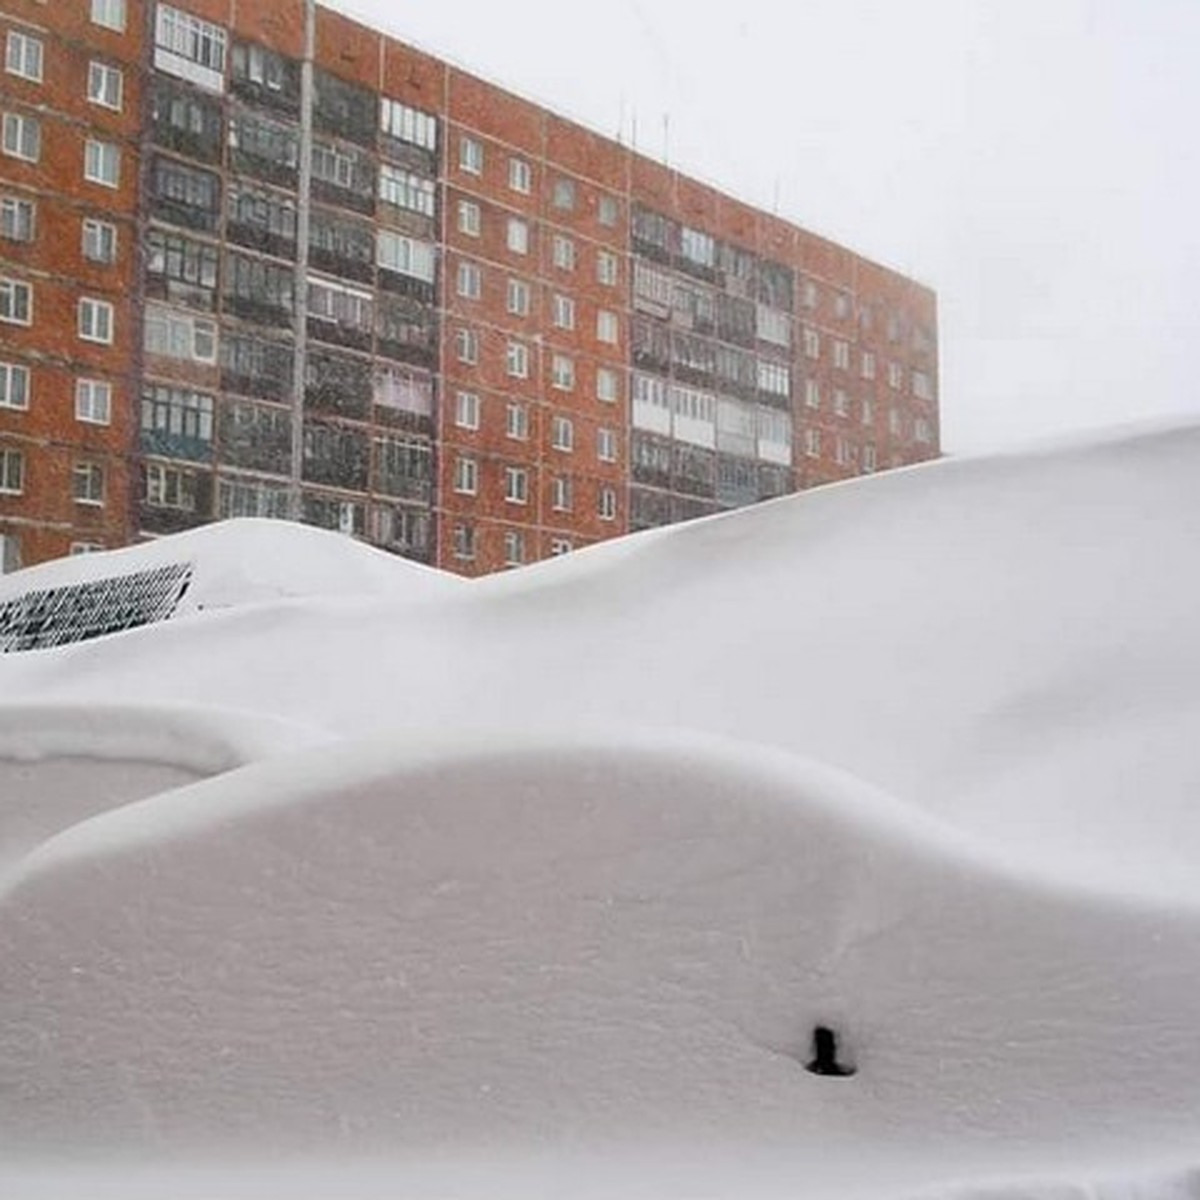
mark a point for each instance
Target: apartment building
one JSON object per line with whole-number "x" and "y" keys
{"x": 261, "y": 260}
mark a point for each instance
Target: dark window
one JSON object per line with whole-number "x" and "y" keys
{"x": 181, "y": 269}
{"x": 407, "y": 329}
{"x": 341, "y": 245}
{"x": 261, "y": 219}
{"x": 264, "y": 77}
{"x": 259, "y": 290}
{"x": 185, "y": 120}
{"x": 335, "y": 456}
{"x": 403, "y": 467}
{"x": 338, "y": 384}
{"x": 255, "y": 366}
{"x": 185, "y": 195}
{"x": 256, "y": 436}
{"x": 343, "y": 175}
{"x": 344, "y": 109}
{"x": 264, "y": 148}
{"x": 177, "y": 422}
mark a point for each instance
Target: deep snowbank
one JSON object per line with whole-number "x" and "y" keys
{"x": 914, "y": 756}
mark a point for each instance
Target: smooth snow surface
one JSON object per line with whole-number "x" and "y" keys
{"x": 356, "y": 879}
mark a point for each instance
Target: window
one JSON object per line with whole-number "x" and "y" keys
{"x": 514, "y": 548}
{"x": 812, "y": 343}
{"x": 466, "y": 476}
{"x": 466, "y": 346}
{"x": 607, "y": 388}
{"x": 922, "y": 385}
{"x": 470, "y": 219}
{"x": 470, "y": 156}
{"x": 606, "y": 504}
{"x": 518, "y": 236}
{"x": 14, "y": 386}
{"x": 841, "y": 355}
{"x": 812, "y": 393}
{"x": 563, "y": 253}
{"x": 12, "y": 472}
{"x": 109, "y": 13}
{"x": 868, "y": 458}
{"x": 517, "y": 360}
{"x": 563, "y": 312}
{"x": 774, "y": 378}
{"x": 843, "y": 453}
{"x": 93, "y": 401}
{"x": 698, "y": 247}
{"x": 606, "y": 445}
{"x": 170, "y": 487}
{"x": 464, "y": 541}
{"x": 180, "y": 335}
{"x": 102, "y": 163}
{"x": 607, "y": 327}
{"x": 561, "y": 493}
{"x": 408, "y": 124}
{"x": 606, "y": 268}
{"x": 868, "y": 411}
{"x": 895, "y": 426}
{"x": 922, "y": 431}
{"x": 405, "y": 190}
{"x": 562, "y": 373}
{"x": 563, "y": 434}
{"x": 841, "y": 306}
{"x": 560, "y": 546}
{"x": 895, "y": 376}
{"x": 95, "y": 321}
{"x": 809, "y": 297}
{"x": 340, "y": 304}
{"x": 868, "y": 365}
{"x": 190, "y": 48}
{"x": 23, "y": 56}
{"x": 16, "y": 219}
{"x": 99, "y": 241}
{"x": 520, "y": 176}
{"x": 470, "y": 280}
{"x": 564, "y": 194}
{"x": 516, "y": 485}
{"x": 466, "y": 410}
{"x": 608, "y": 210}
{"x": 16, "y": 302}
{"x": 106, "y": 85}
{"x": 812, "y": 443}
{"x": 87, "y": 483}
{"x": 21, "y": 137}
{"x": 406, "y": 256}
{"x": 841, "y": 402}
{"x": 517, "y": 422}
{"x": 518, "y": 298}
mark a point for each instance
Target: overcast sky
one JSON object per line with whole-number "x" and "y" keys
{"x": 1034, "y": 161}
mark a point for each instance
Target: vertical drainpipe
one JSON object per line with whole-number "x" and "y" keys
{"x": 303, "y": 215}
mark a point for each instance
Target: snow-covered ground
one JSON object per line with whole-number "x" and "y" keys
{"x": 357, "y": 879}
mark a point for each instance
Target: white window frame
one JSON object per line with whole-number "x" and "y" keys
{"x": 516, "y": 422}
{"x": 514, "y": 548}
{"x": 17, "y": 129}
{"x": 516, "y": 485}
{"x": 95, "y": 233}
{"x": 466, "y": 410}
{"x": 12, "y": 479}
{"x": 516, "y": 236}
{"x": 520, "y": 176}
{"x": 469, "y": 280}
{"x": 608, "y": 386}
{"x": 516, "y": 360}
{"x": 608, "y": 327}
{"x": 608, "y": 268}
{"x": 562, "y": 373}
{"x": 17, "y": 213}
{"x": 470, "y": 218}
{"x": 93, "y": 401}
{"x": 562, "y": 497}
{"x": 10, "y": 289}
{"x": 106, "y": 85}
{"x": 517, "y": 301}
{"x": 190, "y": 48}
{"x": 90, "y": 471}
{"x": 562, "y": 312}
{"x": 466, "y": 475}
{"x": 24, "y": 56}
{"x": 562, "y": 434}
{"x": 109, "y": 14}
{"x": 606, "y": 503}
{"x": 14, "y": 397}
{"x": 470, "y": 155}
{"x": 606, "y": 444}
{"x": 98, "y": 158}
{"x": 608, "y": 210}
{"x": 466, "y": 346}
{"x": 563, "y": 253}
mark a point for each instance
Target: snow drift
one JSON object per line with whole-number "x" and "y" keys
{"x": 539, "y": 884}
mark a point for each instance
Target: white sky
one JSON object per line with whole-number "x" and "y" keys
{"x": 1032, "y": 160}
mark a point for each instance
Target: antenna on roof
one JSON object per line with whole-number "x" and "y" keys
{"x": 666, "y": 138}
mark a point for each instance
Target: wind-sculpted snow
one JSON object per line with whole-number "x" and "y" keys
{"x": 538, "y": 885}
